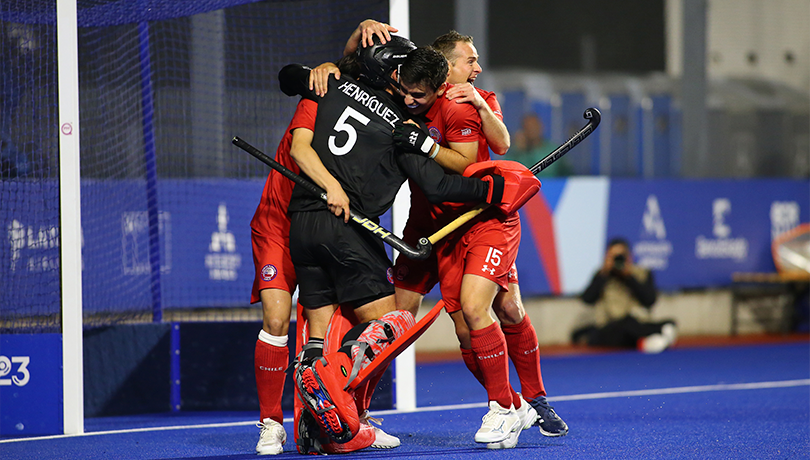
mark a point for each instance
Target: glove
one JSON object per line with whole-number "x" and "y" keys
{"x": 519, "y": 184}
{"x": 496, "y": 186}
{"x": 410, "y": 138}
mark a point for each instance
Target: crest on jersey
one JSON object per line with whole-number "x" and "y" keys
{"x": 402, "y": 272}
{"x": 269, "y": 272}
{"x": 435, "y": 134}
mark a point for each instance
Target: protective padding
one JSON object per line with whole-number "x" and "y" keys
{"x": 398, "y": 346}
{"x": 519, "y": 183}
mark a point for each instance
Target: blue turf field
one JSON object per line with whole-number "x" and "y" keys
{"x": 748, "y": 402}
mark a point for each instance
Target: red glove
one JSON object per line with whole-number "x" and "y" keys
{"x": 519, "y": 183}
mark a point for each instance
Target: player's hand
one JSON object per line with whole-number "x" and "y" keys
{"x": 369, "y": 28}
{"x": 465, "y": 92}
{"x": 496, "y": 185}
{"x": 411, "y": 139}
{"x": 338, "y": 202}
{"x": 319, "y": 77}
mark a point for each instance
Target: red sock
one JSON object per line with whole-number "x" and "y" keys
{"x": 270, "y": 362}
{"x": 472, "y": 364}
{"x": 489, "y": 346}
{"x": 521, "y": 341}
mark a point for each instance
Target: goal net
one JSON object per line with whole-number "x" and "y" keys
{"x": 166, "y": 200}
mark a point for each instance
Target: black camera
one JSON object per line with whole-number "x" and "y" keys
{"x": 618, "y": 261}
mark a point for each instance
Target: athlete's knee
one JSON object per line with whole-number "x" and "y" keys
{"x": 408, "y": 300}
{"x": 276, "y": 326}
{"x": 509, "y": 308}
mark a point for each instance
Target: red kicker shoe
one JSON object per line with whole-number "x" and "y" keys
{"x": 321, "y": 386}
{"x": 311, "y": 439}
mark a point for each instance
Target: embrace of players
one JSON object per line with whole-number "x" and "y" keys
{"x": 385, "y": 113}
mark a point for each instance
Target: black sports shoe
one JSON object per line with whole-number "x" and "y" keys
{"x": 550, "y": 423}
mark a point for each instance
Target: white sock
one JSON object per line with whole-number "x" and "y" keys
{"x": 274, "y": 340}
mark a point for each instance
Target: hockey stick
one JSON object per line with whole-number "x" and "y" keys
{"x": 421, "y": 252}
{"x": 591, "y": 114}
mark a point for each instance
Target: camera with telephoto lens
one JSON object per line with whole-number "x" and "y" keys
{"x": 618, "y": 261}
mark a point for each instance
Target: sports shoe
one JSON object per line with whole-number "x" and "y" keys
{"x": 527, "y": 416}
{"x": 271, "y": 438}
{"x": 310, "y": 439}
{"x": 653, "y": 344}
{"x": 670, "y": 331}
{"x": 321, "y": 386}
{"x": 308, "y": 435}
{"x": 498, "y": 424}
{"x": 550, "y": 423}
{"x": 382, "y": 440}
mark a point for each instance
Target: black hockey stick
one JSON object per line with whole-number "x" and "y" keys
{"x": 421, "y": 252}
{"x": 594, "y": 117}
{"x": 591, "y": 114}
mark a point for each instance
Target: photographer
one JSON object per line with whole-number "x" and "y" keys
{"x": 623, "y": 294}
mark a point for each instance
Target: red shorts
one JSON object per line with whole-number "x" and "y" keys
{"x": 270, "y": 236}
{"x": 416, "y": 275}
{"x": 488, "y": 249}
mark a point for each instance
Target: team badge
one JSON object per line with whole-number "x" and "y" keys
{"x": 269, "y": 272}
{"x": 435, "y": 134}
{"x": 390, "y": 275}
{"x": 402, "y": 272}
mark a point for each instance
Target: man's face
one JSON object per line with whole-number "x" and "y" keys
{"x": 466, "y": 67}
{"x": 418, "y": 98}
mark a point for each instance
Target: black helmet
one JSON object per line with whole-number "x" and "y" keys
{"x": 379, "y": 60}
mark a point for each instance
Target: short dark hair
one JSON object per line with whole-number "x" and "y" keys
{"x": 424, "y": 66}
{"x": 618, "y": 240}
{"x": 446, "y": 44}
{"x": 349, "y": 65}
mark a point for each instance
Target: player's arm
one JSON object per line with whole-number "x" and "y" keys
{"x": 364, "y": 34}
{"x": 310, "y": 163}
{"x": 440, "y": 187}
{"x": 293, "y": 80}
{"x": 492, "y": 125}
{"x": 319, "y": 77}
{"x": 456, "y": 157}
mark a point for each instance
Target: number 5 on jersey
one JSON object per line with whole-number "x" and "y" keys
{"x": 342, "y": 126}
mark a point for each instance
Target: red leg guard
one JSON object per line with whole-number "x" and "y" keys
{"x": 322, "y": 389}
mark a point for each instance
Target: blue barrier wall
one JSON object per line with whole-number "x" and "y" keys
{"x": 693, "y": 233}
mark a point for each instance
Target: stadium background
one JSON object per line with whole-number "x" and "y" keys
{"x": 166, "y": 199}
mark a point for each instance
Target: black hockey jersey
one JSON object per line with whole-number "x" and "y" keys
{"x": 353, "y": 138}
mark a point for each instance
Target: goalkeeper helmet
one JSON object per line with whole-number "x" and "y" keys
{"x": 379, "y": 60}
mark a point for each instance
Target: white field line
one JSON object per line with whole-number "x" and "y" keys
{"x": 604, "y": 395}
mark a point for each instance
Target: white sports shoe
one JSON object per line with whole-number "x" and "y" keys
{"x": 670, "y": 331}
{"x": 271, "y": 438}
{"x": 528, "y": 415}
{"x": 652, "y": 344}
{"x": 382, "y": 440}
{"x": 498, "y": 424}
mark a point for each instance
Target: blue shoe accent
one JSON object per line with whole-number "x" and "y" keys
{"x": 550, "y": 423}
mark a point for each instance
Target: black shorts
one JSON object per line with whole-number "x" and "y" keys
{"x": 337, "y": 263}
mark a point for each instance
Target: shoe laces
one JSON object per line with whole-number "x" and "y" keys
{"x": 369, "y": 419}
{"x": 541, "y": 403}
{"x": 493, "y": 413}
{"x": 268, "y": 426}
